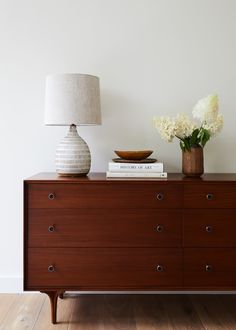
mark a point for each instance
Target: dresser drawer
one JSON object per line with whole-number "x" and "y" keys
{"x": 101, "y": 268}
{"x": 209, "y": 228}
{"x": 100, "y": 228}
{"x": 210, "y": 268}
{"x": 220, "y": 195}
{"x": 109, "y": 195}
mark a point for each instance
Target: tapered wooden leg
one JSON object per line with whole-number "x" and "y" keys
{"x": 53, "y": 296}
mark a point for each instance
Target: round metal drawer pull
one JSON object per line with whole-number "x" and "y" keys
{"x": 209, "y": 229}
{"x": 51, "y": 229}
{"x": 159, "y": 228}
{"x": 160, "y": 268}
{"x": 160, "y": 196}
{"x": 208, "y": 268}
{"x": 51, "y": 196}
{"x": 209, "y": 197}
{"x": 51, "y": 268}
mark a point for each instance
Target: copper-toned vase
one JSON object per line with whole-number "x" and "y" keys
{"x": 193, "y": 162}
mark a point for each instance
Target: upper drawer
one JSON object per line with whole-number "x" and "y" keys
{"x": 221, "y": 195}
{"x": 104, "y": 195}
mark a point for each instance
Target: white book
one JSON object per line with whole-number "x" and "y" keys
{"x": 162, "y": 175}
{"x": 135, "y": 167}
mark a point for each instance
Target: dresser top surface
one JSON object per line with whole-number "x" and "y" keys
{"x": 101, "y": 177}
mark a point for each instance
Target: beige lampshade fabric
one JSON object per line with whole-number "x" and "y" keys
{"x": 72, "y": 99}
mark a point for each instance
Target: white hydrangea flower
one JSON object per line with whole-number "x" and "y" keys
{"x": 184, "y": 127}
{"x": 206, "y": 109}
{"x": 216, "y": 126}
{"x": 166, "y": 127}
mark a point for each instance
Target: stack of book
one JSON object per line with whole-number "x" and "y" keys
{"x": 135, "y": 170}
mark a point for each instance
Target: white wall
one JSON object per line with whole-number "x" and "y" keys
{"x": 154, "y": 57}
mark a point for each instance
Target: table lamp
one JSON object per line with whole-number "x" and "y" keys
{"x": 72, "y": 100}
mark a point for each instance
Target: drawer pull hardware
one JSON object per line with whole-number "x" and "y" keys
{"x": 51, "y": 196}
{"x": 160, "y": 196}
{"x": 159, "y": 228}
{"x": 208, "y": 268}
{"x": 51, "y": 229}
{"x": 209, "y": 197}
{"x": 209, "y": 229}
{"x": 160, "y": 268}
{"x": 51, "y": 268}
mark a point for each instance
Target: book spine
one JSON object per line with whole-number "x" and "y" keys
{"x": 130, "y": 167}
{"x": 135, "y": 175}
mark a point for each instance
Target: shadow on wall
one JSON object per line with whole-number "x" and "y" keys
{"x": 216, "y": 152}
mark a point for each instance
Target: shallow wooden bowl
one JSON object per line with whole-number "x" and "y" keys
{"x": 133, "y": 154}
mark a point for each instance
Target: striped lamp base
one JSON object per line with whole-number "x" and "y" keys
{"x": 72, "y": 155}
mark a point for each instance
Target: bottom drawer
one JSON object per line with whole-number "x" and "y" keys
{"x": 103, "y": 268}
{"x": 210, "y": 268}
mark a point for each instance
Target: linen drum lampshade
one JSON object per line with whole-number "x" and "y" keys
{"x": 72, "y": 100}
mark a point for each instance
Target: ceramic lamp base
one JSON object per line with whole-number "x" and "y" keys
{"x": 72, "y": 155}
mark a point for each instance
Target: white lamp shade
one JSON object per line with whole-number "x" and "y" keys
{"x": 72, "y": 99}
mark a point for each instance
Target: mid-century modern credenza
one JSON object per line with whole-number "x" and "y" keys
{"x": 93, "y": 233}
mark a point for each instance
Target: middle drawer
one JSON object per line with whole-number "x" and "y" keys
{"x": 103, "y": 228}
{"x": 209, "y": 228}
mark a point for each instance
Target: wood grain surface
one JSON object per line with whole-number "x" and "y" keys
{"x": 100, "y": 196}
{"x": 223, "y": 268}
{"x": 116, "y": 312}
{"x": 99, "y": 228}
{"x": 209, "y": 228}
{"x": 101, "y": 177}
{"x": 93, "y": 234}
{"x": 222, "y": 195}
{"x": 83, "y": 268}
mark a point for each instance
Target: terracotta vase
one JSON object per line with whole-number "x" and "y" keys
{"x": 193, "y": 162}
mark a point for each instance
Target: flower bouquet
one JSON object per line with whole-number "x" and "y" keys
{"x": 193, "y": 135}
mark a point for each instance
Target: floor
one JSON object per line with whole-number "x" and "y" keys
{"x": 113, "y": 312}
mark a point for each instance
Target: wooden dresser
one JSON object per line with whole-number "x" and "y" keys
{"x": 94, "y": 234}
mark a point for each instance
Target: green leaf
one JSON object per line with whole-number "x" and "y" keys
{"x": 194, "y": 137}
{"x": 204, "y": 136}
{"x": 187, "y": 144}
